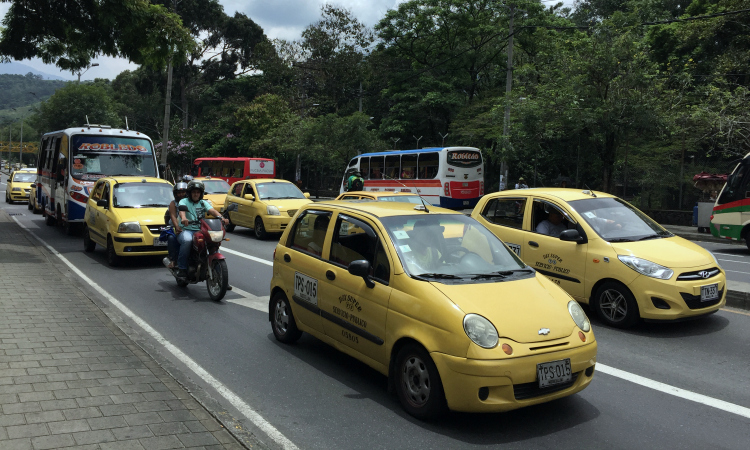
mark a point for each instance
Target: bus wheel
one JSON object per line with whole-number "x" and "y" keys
{"x": 48, "y": 219}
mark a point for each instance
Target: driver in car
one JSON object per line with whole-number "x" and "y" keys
{"x": 424, "y": 256}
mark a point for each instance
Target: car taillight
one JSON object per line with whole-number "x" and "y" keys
{"x": 77, "y": 196}
{"x": 447, "y": 189}
{"x": 274, "y": 254}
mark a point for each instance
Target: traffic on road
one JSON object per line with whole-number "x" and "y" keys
{"x": 369, "y": 324}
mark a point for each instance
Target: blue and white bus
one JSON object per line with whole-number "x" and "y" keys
{"x": 71, "y": 160}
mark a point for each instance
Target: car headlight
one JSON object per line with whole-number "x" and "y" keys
{"x": 480, "y": 331}
{"x": 579, "y": 317}
{"x": 129, "y": 227}
{"x": 272, "y": 210}
{"x": 715, "y": 260}
{"x": 645, "y": 267}
{"x": 216, "y": 236}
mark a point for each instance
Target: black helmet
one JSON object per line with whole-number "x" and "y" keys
{"x": 193, "y": 185}
{"x": 187, "y": 178}
{"x": 180, "y": 186}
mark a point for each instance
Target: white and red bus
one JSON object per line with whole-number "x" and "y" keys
{"x": 451, "y": 177}
{"x": 234, "y": 169}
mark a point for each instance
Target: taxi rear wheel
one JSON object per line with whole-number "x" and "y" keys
{"x": 112, "y": 259}
{"x": 284, "y": 326}
{"x": 615, "y": 305}
{"x": 418, "y": 384}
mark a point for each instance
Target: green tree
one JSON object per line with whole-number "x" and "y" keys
{"x": 70, "y": 106}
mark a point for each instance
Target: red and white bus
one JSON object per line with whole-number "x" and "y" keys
{"x": 234, "y": 169}
{"x": 451, "y": 177}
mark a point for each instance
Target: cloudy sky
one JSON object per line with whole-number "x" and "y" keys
{"x": 279, "y": 18}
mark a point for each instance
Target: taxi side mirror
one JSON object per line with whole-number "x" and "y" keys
{"x": 306, "y": 194}
{"x": 33, "y": 185}
{"x": 572, "y": 236}
{"x": 102, "y": 203}
{"x": 250, "y": 197}
{"x": 361, "y": 268}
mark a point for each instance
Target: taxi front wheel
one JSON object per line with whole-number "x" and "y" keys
{"x": 615, "y": 305}
{"x": 418, "y": 384}
{"x": 284, "y": 326}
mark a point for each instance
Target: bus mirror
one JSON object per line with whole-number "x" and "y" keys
{"x": 306, "y": 194}
{"x": 250, "y": 197}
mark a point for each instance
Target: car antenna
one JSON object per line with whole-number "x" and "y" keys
{"x": 590, "y": 192}
{"x": 424, "y": 204}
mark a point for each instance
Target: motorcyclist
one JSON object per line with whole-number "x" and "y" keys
{"x": 197, "y": 208}
{"x": 355, "y": 182}
{"x": 172, "y": 217}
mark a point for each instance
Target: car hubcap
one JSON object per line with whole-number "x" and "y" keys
{"x": 416, "y": 381}
{"x": 613, "y": 305}
{"x": 282, "y": 318}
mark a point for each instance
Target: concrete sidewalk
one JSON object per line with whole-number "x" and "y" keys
{"x": 69, "y": 377}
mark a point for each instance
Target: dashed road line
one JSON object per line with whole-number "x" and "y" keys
{"x": 246, "y": 256}
{"x": 249, "y": 300}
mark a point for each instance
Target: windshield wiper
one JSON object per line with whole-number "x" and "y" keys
{"x": 491, "y": 275}
{"x": 445, "y": 276}
{"x": 152, "y": 205}
{"x": 620, "y": 240}
{"x": 652, "y": 236}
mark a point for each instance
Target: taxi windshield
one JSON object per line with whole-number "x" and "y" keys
{"x": 27, "y": 177}
{"x": 452, "y": 248}
{"x": 142, "y": 195}
{"x": 617, "y": 221}
{"x": 277, "y": 191}
{"x": 216, "y": 186}
{"x": 401, "y": 199}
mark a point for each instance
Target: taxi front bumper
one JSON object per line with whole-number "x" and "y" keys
{"x": 135, "y": 244}
{"x": 674, "y": 299}
{"x": 509, "y": 383}
{"x": 276, "y": 224}
{"x": 17, "y": 196}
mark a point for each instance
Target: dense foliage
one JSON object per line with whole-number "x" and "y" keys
{"x": 629, "y": 96}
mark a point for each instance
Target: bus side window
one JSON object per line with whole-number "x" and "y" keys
{"x": 239, "y": 171}
{"x": 62, "y": 168}
{"x": 376, "y": 167}
{"x": 393, "y": 166}
{"x": 428, "y": 165}
{"x": 42, "y": 153}
{"x": 54, "y": 153}
{"x": 364, "y": 168}
{"x": 409, "y": 166}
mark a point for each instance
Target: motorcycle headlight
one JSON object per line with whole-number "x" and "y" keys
{"x": 579, "y": 317}
{"x": 480, "y": 331}
{"x": 645, "y": 267}
{"x": 216, "y": 236}
{"x": 272, "y": 210}
{"x": 129, "y": 227}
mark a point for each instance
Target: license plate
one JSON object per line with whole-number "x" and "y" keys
{"x": 554, "y": 373}
{"x": 710, "y": 292}
{"x": 306, "y": 288}
{"x": 158, "y": 243}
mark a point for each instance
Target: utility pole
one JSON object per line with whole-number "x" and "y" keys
{"x": 682, "y": 161}
{"x": 508, "y": 87}
{"x": 167, "y": 105}
{"x": 20, "y": 146}
{"x": 360, "y": 96}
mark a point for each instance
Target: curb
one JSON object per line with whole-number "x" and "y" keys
{"x": 738, "y": 299}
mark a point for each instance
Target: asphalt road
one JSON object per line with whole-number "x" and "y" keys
{"x": 320, "y": 399}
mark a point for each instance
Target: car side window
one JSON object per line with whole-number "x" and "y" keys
{"x": 237, "y": 189}
{"x": 549, "y": 219}
{"x": 350, "y": 197}
{"x": 105, "y": 193}
{"x": 98, "y": 189}
{"x": 249, "y": 190}
{"x": 355, "y": 240}
{"x": 309, "y": 232}
{"x": 507, "y": 212}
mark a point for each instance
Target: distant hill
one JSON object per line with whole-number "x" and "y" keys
{"x": 16, "y": 68}
{"x": 16, "y": 90}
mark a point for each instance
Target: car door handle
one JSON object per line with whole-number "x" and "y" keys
{"x": 287, "y": 258}
{"x": 533, "y": 244}
{"x": 330, "y": 275}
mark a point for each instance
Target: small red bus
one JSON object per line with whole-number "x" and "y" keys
{"x": 234, "y": 169}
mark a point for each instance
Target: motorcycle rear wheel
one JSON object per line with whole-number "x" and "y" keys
{"x": 217, "y": 286}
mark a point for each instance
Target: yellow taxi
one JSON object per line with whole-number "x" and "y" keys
{"x": 606, "y": 253}
{"x": 33, "y": 205}
{"x": 381, "y": 197}
{"x": 19, "y": 185}
{"x": 125, "y": 214}
{"x": 433, "y": 300}
{"x": 216, "y": 191}
{"x": 263, "y": 204}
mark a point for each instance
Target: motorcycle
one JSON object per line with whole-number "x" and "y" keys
{"x": 206, "y": 263}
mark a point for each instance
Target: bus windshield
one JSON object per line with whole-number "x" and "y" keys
{"x": 93, "y": 157}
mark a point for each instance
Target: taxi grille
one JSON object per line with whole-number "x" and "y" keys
{"x": 291, "y": 212}
{"x": 694, "y": 301}
{"x": 531, "y": 390}
{"x": 699, "y": 274}
{"x": 155, "y": 229}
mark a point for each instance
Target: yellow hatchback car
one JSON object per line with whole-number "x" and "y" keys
{"x": 433, "y": 300}
{"x": 606, "y": 253}
{"x": 19, "y": 185}
{"x": 381, "y": 197}
{"x": 216, "y": 191}
{"x": 125, "y": 216}
{"x": 265, "y": 205}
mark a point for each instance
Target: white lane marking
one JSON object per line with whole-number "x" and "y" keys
{"x": 249, "y": 300}
{"x": 725, "y": 255}
{"x": 733, "y": 261}
{"x": 225, "y": 392}
{"x": 246, "y": 256}
{"x": 735, "y": 311}
{"x": 675, "y": 391}
{"x": 735, "y": 271}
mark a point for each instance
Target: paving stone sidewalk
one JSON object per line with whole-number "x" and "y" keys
{"x": 70, "y": 378}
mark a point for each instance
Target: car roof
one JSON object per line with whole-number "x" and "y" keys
{"x": 380, "y": 209}
{"x": 268, "y": 180}
{"x": 380, "y": 194}
{"x": 208, "y": 179}
{"x": 130, "y": 179}
{"x": 564, "y": 194}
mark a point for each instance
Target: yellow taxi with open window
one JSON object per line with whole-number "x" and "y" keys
{"x": 606, "y": 253}
{"x": 404, "y": 197}
{"x": 432, "y": 299}
{"x": 265, "y": 205}
{"x": 125, "y": 216}
{"x": 19, "y": 185}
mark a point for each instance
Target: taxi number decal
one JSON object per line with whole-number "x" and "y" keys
{"x": 306, "y": 288}
{"x": 515, "y": 247}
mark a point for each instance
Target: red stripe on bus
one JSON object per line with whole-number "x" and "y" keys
{"x": 738, "y": 203}
{"x": 402, "y": 183}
